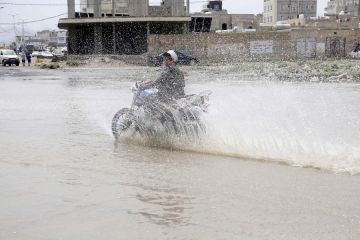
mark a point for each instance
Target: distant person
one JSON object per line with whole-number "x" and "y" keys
{"x": 28, "y": 58}
{"x": 23, "y": 58}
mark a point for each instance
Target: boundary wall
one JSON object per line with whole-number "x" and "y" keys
{"x": 257, "y": 46}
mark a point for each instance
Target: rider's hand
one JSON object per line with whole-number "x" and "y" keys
{"x": 142, "y": 84}
{"x": 185, "y": 73}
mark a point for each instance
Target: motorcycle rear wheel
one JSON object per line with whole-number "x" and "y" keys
{"x": 121, "y": 122}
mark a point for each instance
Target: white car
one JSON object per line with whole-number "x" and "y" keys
{"x": 58, "y": 52}
{"x": 46, "y": 54}
{"x": 35, "y": 54}
{"x": 9, "y": 57}
{"x": 42, "y": 54}
{"x": 355, "y": 55}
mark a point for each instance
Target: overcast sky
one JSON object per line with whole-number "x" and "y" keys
{"x": 10, "y": 12}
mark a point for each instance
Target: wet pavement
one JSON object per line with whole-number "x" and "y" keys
{"x": 63, "y": 176}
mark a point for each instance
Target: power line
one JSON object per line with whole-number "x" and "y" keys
{"x": 39, "y": 20}
{"x": 6, "y": 31}
{"x": 33, "y": 4}
{"x": 65, "y": 4}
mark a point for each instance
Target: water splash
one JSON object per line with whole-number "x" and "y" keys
{"x": 300, "y": 124}
{"x": 304, "y": 125}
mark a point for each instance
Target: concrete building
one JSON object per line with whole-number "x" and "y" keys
{"x": 106, "y": 6}
{"x": 123, "y": 29}
{"x": 347, "y": 7}
{"x": 281, "y": 10}
{"x": 52, "y": 38}
{"x": 61, "y": 38}
{"x": 214, "y": 17}
{"x": 37, "y": 43}
{"x": 44, "y": 39}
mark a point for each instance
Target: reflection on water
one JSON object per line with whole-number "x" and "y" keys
{"x": 152, "y": 172}
{"x": 163, "y": 206}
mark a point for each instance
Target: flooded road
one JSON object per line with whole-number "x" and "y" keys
{"x": 63, "y": 176}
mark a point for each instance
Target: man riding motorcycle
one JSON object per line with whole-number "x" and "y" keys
{"x": 161, "y": 106}
{"x": 170, "y": 83}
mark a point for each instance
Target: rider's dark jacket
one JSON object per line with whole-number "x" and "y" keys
{"x": 170, "y": 84}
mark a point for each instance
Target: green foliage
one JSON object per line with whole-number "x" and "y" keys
{"x": 72, "y": 63}
{"x": 50, "y": 66}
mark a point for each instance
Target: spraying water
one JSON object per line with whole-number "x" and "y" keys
{"x": 300, "y": 124}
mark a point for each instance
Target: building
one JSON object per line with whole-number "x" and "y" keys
{"x": 37, "y": 43}
{"x": 346, "y": 7}
{"x": 123, "y": 28}
{"x": 61, "y": 38}
{"x": 52, "y": 38}
{"x": 48, "y": 37}
{"x": 282, "y": 10}
{"x": 44, "y": 39}
{"x": 213, "y": 17}
{"x": 109, "y": 7}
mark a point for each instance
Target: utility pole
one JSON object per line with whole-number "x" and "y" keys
{"x": 22, "y": 37}
{"x": 14, "y": 24}
{"x": 187, "y": 7}
{"x": 22, "y": 33}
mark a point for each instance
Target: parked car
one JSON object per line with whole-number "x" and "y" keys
{"x": 59, "y": 55}
{"x": 355, "y": 55}
{"x": 183, "y": 59}
{"x": 46, "y": 54}
{"x": 35, "y": 53}
{"x": 9, "y": 57}
{"x": 64, "y": 49}
{"x": 58, "y": 52}
{"x": 356, "y": 52}
{"x": 42, "y": 54}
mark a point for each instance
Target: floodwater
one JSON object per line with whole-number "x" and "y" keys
{"x": 281, "y": 160}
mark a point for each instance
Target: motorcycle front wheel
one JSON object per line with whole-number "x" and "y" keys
{"x": 121, "y": 122}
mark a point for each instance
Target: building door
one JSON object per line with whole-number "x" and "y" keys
{"x": 306, "y": 48}
{"x": 335, "y": 47}
{"x": 224, "y": 26}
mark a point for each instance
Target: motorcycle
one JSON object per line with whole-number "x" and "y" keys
{"x": 150, "y": 117}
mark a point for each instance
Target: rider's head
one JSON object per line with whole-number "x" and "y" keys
{"x": 170, "y": 57}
